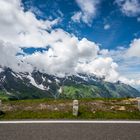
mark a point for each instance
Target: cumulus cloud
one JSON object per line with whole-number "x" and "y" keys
{"x": 102, "y": 67}
{"x": 88, "y": 11}
{"x": 128, "y": 60}
{"x": 66, "y": 53}
{"x": 87, "y": 49}
{"x": 134, "y": 49}
{"x": 20, "y": 27}
{"x": 8, "y": 58}
{"x": 104, "y": 52}
{"x": 129, "y": 7}
{"x": 61, "y": 60}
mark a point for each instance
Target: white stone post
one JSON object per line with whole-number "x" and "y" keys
{"x": 0, "y": 104}
{"x": 138, "y": 99}
{"x": 75, "y": 107}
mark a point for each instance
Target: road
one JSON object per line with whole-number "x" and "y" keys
{"x": 69, "y": 131}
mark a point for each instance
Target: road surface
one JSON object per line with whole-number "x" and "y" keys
{"x": 69, "y": 131}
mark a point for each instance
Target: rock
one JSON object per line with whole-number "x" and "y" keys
{"x": 56, "y": 109}
{"x": 122, "y": 108}
{"x": 42, "y": 106}
{"x": 75, "y": 108}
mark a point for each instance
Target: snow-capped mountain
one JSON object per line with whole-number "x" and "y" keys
{"x": 41, "y": 85}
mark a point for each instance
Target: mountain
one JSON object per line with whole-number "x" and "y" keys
{"x": 41, "y": 85}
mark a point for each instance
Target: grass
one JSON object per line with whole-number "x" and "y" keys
{"x": 35, "y": 115}
{"x": 86, "y": 110}
{"x": 3, "y": 96}
{"x": 36, "y": 101}
{"x": 68, "y": 115}
{"x": 62, "y": 100}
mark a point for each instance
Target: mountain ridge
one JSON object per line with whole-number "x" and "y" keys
{"x": 20, "y": 85}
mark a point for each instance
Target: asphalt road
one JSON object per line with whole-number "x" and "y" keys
{"x": 70, "y": 131}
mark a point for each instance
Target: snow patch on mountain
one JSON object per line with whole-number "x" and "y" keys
{"x": 82, "y": 77}
{"x": 43, "y": 79}
{"x": 60, "y": 90}
{"x": 49, "y": 81}
{"x": 32, "y": 81}
{"x": 57, "y": 81}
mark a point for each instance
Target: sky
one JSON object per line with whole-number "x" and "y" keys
{"x": 64, "y": 37}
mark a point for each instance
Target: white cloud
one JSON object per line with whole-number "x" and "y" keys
{"x": 20, "y": 27}
{"x": 128, "y": 60}
{"x": 131, "y": 82}
{"x": 134, "y": 49}
{"x": 106, "y": 26}
{"x": 103, "y": 67}
{"x": 8, "y": 58}
{"x": 77, "y": 17}
{"x": 129, "y": 7}
{"x": 87, "y": 49}
{"x": 104, "y": 52}
{"x": 88, "y": 11}
{"x": 66, "y": 55}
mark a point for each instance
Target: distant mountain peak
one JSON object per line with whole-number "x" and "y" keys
{"x": 41, "y": 85}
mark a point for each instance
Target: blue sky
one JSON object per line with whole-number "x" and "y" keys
{"x": 122, "y": 28}
{"x": 59, "y": 37}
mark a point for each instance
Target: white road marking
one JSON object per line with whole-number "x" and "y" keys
{"x": 69, "y": 121}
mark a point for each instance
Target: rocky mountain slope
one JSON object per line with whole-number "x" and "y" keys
{"x": 40, "y": 85}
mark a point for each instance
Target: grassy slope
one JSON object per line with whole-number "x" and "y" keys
{"x": 106, "y": 90}
{"x": 3, "y": 96}
{"x": 73, "y": 92}
{"x": 89, "y": 109}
